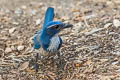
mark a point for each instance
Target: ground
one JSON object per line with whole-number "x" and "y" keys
{"x": 90, "y": 50}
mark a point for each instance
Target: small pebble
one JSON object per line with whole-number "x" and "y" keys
{"x": 103, "y": 60}
{"x": 116, "y": 23}
{"x": 20, "y": 48}
{"x": 34, "y": 12}
{"x": 13, "y": 48}
{"x": 114, "y": 63}
{"x": 24, "y": 7}
{"x": 12, "y": 30}
{"x": 8, "y": 50}
{"x": 118, "y": 70}
{"x": 38, "y": 21}
{"x": 90, "y": 16}
{"x": 107, "y": 25}
{"x": 116, "y": 52}
{"x": 40, "y": 4}
{"x": 15, "y": 23}
{"x": 19, "y": 11}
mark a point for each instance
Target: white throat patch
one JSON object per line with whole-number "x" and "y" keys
{"x": 54, "y": 43}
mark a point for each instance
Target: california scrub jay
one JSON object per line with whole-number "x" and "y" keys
{"x": 47, "y": 38}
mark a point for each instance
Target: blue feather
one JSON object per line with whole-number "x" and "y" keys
{"x": 60, "y": 43}
{"x": 51, "y": 23}
{"x": 36, "y": 41}
{"x": 49, "y": 15}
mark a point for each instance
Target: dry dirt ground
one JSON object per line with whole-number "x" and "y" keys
{"x": 90, "y": 50}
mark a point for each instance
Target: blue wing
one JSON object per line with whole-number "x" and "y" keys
{"x": 49, "y": 15}
{"x": 36, "y": 40}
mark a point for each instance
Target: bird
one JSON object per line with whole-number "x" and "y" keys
{"x": 48, "y": 38}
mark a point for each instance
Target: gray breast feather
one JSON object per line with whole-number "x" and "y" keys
{"x": 54, "y": 44}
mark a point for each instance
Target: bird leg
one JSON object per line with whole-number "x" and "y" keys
{"x": 36, "y": 66}
{"x": 60, "y": 60}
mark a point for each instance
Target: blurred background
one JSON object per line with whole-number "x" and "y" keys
{"x": 90, "y": 50}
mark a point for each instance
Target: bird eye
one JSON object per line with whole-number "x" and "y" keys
{"x": 57, "y": 27}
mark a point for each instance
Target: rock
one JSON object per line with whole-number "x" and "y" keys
{"x": 38, "y": 21}
{"x": 23, "y": 66}
{"x": 103, "y": 60}
{"x": 24, "y": 7}
{"x": 40, "y": 5}
{"x": 12, "y": 30}
{"x": 20, "y": 48}
{"x": 116, "y": 23}
{"x": 107, "y": 25}
{"x": 90, "y": 16}
{"x": 13, "y": 48}
{"x": 8, "y": 50}
{"x": 118, "y": 70}
{"x": 19, "y": 11}
{"x": 93, "y": 47}
{"x": 116, "y": 52}
{"x": 34, "y": 12}
{"x": 114, "y": 63}
{"x": 15, "y": 23}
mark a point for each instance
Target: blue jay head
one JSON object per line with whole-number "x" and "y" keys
{"x": 55, "y": 27}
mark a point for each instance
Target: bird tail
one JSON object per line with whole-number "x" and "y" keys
{"x": 49, "y": 15}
